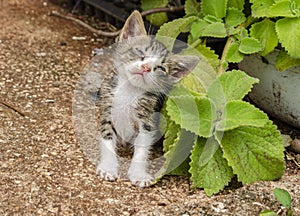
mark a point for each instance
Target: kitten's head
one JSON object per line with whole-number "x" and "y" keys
{"x": 145, "y": 62}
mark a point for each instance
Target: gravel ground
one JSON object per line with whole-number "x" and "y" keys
{"x": 43, "y": 171}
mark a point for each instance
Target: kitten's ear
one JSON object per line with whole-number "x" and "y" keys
{"x": 134, "y": 26}
{"x": 181, "y": 65}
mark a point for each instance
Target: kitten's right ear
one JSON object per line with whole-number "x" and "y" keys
{"x": 134, "y": 26}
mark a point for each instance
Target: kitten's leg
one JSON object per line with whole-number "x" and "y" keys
{"x": 108, "y": 165}
{"x": 137, "y": 172}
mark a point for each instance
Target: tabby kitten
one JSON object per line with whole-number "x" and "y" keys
{"x": 130, "y": 95}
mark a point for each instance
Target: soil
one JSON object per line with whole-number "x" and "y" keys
{"x": 43, "y": 170}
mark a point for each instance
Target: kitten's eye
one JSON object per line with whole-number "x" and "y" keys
{"x": 160, "y": 68}
{"x": 140, "y": 53}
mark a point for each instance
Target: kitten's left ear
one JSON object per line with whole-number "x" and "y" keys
{"x": 134, "y": 26}
{"x": 181, "y": 65}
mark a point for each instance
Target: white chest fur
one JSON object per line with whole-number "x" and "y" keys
{"x": 123, "y": 112}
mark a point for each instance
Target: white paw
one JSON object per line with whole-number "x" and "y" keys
{"x": 107, "y": 174}
{"x": 141, "y": 179}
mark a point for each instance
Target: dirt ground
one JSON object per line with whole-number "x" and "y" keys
{"x": 43, "y": 170}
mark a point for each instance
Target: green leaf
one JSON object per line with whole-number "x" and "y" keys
{"x": 214, "y": 175}
{"x": 270, "y": 8}
{"x": 202, "y": 28}
{"x": 191, "y": 7}
{"x": 250, "y": 45}
{"x": 285, "y": 61}
{"x": 260, "y": 8}
{"x": 232, "y": 85}
{"x": 281, "y": 9}
{"x": 173, "y": 29}
{"x": 205, "y": 71}
{"x": 265, "y": 32}
{"x": 243, "y": 34}
{"x": 179, "y": 152}
{"x": 288, "y": 31}
{"x": 156, "y": 19}
{"x": 212, "y": 19}
{"x": 215, "y": 8}
{"x": 192, "y": 113}
{"x": 210, "y": 148}
{"x": 238, "y": 4}
{"x": 240, "y": 113}
{"x": 234, "y": 55}
{"x": 234, "y": 17}
{"x": 209, "y": 54}
{"x": 254, "y": 153}
{"x": 182, "y": 169}
{"x": 171, "y": 134}
{"x": 267, "y": 213}
{"x": 283, "y": 197}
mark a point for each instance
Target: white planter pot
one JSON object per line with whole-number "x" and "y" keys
{"x": 278, "y": 93}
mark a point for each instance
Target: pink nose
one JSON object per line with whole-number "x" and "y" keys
{"x": 146, "y": 68}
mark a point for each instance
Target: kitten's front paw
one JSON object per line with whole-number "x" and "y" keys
{"x": 141, "y": 179}
{"x": 108, "y": 175}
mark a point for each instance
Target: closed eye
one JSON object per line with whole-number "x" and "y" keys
{"x": 140, "y": 53}
{"x": 160, "y": 68}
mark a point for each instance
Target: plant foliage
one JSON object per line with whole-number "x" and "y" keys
{"x": 211, "y": 133}
{"x": 268, "y": 24}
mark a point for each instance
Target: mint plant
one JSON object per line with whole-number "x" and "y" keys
{"x": 211, "y": 134}
{"x": 258, "y": 26}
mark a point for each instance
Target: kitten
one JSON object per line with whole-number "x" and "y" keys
{"x": 130, "y": 95}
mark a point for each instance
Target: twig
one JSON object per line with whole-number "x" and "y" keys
{"x": 13, "y": 108}
{"x": 116, "y": 33}
{"x": 83, "y": 24}
{"x": 162, "y": 9}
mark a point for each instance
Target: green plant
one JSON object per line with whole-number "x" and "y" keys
{"x": 211, "y": 133}
{"x": 256, "y": 27}
{"x": 284, "y": 198}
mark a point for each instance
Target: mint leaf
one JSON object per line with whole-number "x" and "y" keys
{"x": 250, "y": 45}
{"x": 210, "y": 55}
{"x": 205, "y": 71}
{"x": 202, "y": 28}
{"x": 240, "y": 113}
{"x": 265, "y": 32}
{"x": 172, "y": 131}
{"x": 260, "y": 8}
{"x": 285, "y": 61}
{"x": 179, "y": 152}
{"x": 212, "y": 176}
{"x": 283, "y": 197}
{"x": 157, "y": 18}
{"x": 234, "y": 17}
{"x": 232, "y": 85}
{"x": 281, "y": 9}
{"x": 210, "y": 148}
{"x": 288, "y": 31}
{"x": 234, "y": 55}
{"x": 254, "y": 153}
{"x": 212, "y": 19}
{"x": 215, "y": 8}
{"x": 191, "y": 7}
{"x": 192, "y": 113}
{"x": 238, "y": 4}
{"x": 173, "y": 29}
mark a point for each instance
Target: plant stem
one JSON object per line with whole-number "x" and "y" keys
{"x": 196, "y": 43}
{"x": 230, "y": 40}
{"x": 221, "y": 68}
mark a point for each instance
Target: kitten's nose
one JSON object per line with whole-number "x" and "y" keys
{"x": 146, "y": 68}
